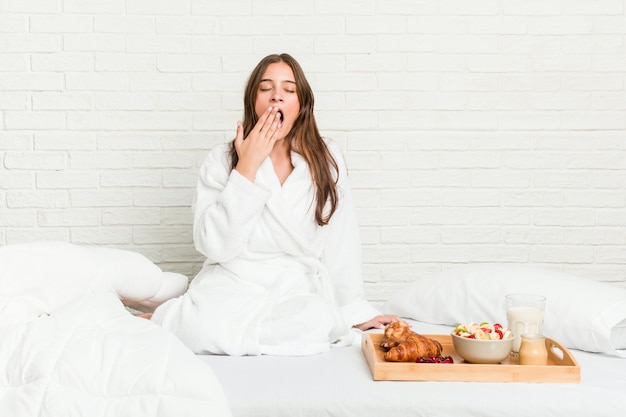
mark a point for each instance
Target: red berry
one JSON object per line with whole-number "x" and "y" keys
{"x": 435, "y": 359}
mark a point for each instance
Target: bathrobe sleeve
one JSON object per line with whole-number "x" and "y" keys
{"x": 226, "y": 208}
{"x": 342, "y": 253}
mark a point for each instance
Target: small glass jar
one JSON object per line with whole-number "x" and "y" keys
{"x": 533, "y": 350}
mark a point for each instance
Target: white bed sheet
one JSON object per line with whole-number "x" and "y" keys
{"x": 339, "y": 383}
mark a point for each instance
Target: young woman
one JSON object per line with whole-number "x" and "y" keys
{"x": 274, "y": 217}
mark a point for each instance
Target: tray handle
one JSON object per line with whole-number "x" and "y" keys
{"x": 559, "y": 354}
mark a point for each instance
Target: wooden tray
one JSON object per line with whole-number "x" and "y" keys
{"x": 561, "y": 367}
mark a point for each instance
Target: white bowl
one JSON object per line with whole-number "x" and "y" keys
{"x": 482, "y": 351}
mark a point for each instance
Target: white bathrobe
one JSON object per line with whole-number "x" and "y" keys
{"x": 274, "y": 282}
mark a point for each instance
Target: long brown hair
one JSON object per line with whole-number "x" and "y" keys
{"x": 303, "y": 138}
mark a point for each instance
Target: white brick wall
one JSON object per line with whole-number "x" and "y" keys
{"x": 484, "y": 131}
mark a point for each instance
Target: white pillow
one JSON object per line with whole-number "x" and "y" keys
{"x": 40, "y": 277}
{"x": 580, "y": 313}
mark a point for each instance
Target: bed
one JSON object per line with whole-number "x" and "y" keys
{"x": 70, "y": 346}
{"x": 585, "y": 316}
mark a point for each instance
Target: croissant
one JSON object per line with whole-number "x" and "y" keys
{"x": 395, "y": 333}
{"x": 412, "y": 348}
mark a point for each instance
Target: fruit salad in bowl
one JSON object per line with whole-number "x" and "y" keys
{"x": 483, "y": 331}
{"x": 482, "y": 342}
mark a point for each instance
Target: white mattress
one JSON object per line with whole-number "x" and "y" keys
{"x": 339, "y": 383}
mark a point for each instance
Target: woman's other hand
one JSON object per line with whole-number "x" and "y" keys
{"x": 378, "y": 322}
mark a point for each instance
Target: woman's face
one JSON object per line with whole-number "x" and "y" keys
{"x": 278, "y": 89}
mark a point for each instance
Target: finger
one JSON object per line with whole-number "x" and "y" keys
{"x": 239, "y": 134}
{"x": 265, "y": 121}
{"x": 274, "y": 128}
{"x": 239, "y": 137}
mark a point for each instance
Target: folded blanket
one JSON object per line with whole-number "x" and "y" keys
{"x": 92, "y": 358}
{"x": 69, "y": 347}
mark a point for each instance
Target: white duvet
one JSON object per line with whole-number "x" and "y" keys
{"x": 69, "y": 347}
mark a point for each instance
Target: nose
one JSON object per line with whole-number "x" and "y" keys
{"x": 276, "y": 98}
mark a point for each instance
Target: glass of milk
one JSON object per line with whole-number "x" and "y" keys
{"x": 524, "y": 313}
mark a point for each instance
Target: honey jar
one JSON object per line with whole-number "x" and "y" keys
{"x": 533, "y": 350}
